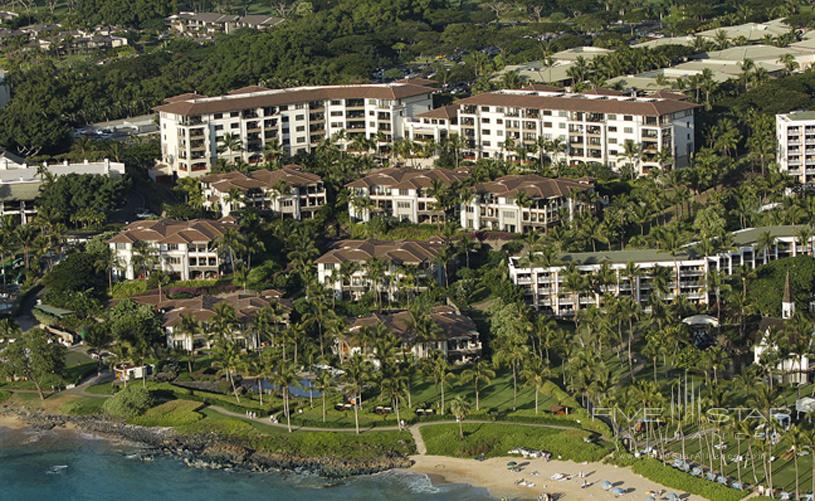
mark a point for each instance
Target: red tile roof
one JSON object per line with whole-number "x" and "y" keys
{"x": 403, "y": 178}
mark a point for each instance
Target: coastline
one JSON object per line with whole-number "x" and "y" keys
{"x": 493, "y": 475}
{"x": 203, "y": 451}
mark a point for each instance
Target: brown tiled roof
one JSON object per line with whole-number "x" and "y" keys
{"x": 202, "y": 308}
{"x": 168, "y": 231}
{"x": 290, "y": 96}
{"x": 402, "y": 178}
{"x": 667, "y": 94}
{"x": 451, "y": 322}
{"x": 291, "y": 175}
{"x": 183, "y": 97}
{"x": 248, "y": 90}
{"x": 533, "y": 185}
{"x": 571, "y": 102}
{"x": 397, "y": 251}
{"x": 443, "y": 112}
{"x": 427, "y": 82}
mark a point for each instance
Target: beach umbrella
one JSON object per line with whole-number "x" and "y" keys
{"x": 512, "y": 464}
{"x": 606, "y": 485}
{"x": 672, "y": 497}
{"x": 618, "y": 491}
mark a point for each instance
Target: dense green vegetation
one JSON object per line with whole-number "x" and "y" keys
{"x": 129, "y": 403}
{"x": 674, "y": 479}
{"x": 497, "y": 439}
{"x": 173, "y": 413}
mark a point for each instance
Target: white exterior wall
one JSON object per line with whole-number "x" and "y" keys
{"x": 291, "y": 127}
{"x": 796, "y": 146}
{"x": 172, "y": 260}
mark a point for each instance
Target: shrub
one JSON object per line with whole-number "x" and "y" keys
{"x": 675, "y": 479}
{"x": 4, "y": 395}
{"x": 127, "y": 289}
{"x": 129, "y": 403}
{"x": 83, "y": 406}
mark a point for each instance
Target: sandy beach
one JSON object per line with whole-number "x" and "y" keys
{"x": 493, "y": 475}
{"x": 11, "y": 421}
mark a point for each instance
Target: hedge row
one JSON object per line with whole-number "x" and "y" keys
{"x": 675, "y": 479}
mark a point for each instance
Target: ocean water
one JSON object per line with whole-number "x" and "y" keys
{"x": 63, "y": 465}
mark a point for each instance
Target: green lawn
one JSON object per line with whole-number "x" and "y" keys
{"x": 172, "y": 413}
{"x": 274, "y": 440}
{"x": 83, "y": 406}
{"x": 497, "y": 439}
{"x": 101, "y": 389}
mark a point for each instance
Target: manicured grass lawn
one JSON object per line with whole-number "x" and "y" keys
{"x": 313, "y": 444}
{"x": 497, "y": 439}
{"x": 82, "y": 406}
{"x": 101, "y": 389}
{"x": 74, "y": 358}
{"x": 172, "y": 413}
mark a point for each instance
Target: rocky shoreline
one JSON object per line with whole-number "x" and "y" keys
{"x": 210, "y": 450}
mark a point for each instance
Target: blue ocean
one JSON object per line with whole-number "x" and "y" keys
{"x": 64, "y": 465}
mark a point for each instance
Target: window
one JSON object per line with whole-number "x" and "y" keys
{"x": 371, "y": 113}
{"x": 235, "y": 126}
{"x": 547, "y": 125}
{"x": 299, "y": 106}
{"x": 612, "y": 140}
{"x": 499, "y": 133}
{"x": 300, "y": 128}
{"x": 485, "y": 143}
{"x": 336, "y": 125}
{"x": 301, "y": 140}
{"x": 336, "y": 102}
{"x": 403, "y": 192}
{"x": 485, "y": 120}
{"x": 121, "y": 246}
{"x": 628, "y": 118}
{"x": 485, "y": 132}
{"x": 336, "y": 113}
{"x": 235, "y": 114}
{"x": 612, "y": 117}
{"x": 562, "y": 125}
{"x": 218, "y": 116}
{"x": 285, "y": 118}
{"x": 485, "y": 108}
{"x": 612, "y": 129}
{"x": 299, "y": 117}
{"x": 403, "y": 205}
{"x": 499, "y": 121}
{"x": 628, "y": 130}
{"x": 219, "y": 127}
{"x": 547, "y": 113}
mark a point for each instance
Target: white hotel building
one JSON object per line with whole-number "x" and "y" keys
{"x": 298, "y": 119}
{"x": 796, "y": 145}
{"x": 545, "y": 286}
{"x": 593, "y": 127}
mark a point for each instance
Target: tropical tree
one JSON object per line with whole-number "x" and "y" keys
{"x": 358, "y": 370}
{"x": 459, "y": 408}
{"x": 479, "y": 374}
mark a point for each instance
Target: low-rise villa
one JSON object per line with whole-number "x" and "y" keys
{"x": 288, "y": 191}
{"x": 456, "y": 336}
{"x": 353, "y": 268}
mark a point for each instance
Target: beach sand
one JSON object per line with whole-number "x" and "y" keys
{"x": 493, "y": 475}
{"x": 11, "y": 421}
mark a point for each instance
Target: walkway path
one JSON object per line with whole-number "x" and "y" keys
{"x": 414, "y": 429}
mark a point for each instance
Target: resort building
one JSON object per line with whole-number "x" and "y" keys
{"x": 642, "y": 133}
{"x": 557, "y": 71}
{"x": 20, "y": 183}
{"x": 209, "y": 24}
{"x": 638, "y": 273}
{"x": 792, "y": 367}
{"x": 522, "y": 203}
{"x": 288, "y": 192}
{"x": 795, "y": 133}
{"x": 385, "y": 268}
{"x": 184, "y": 249}
{"x": 250, "y": 122}
{"x": 405, "y": 194}
{"x": 247, "y": 306}
{"x": 456, "y": 335}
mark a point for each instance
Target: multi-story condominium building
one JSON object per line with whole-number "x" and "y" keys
{"x": 457, "y": 337}
{"x": 197, "y": 130}
{"x": 796, "y": 145}
{"x": 203, "y": 309}
{"x": 638, "y": 273}
{"x": 184, "y": 249}
{"x": 209, "y": 24}
{"x": 386, "y": 268}
{"x": 405, "y": 194}
{"x": 521, "y": 203}
{"x": 288, "y": 191}
{"x": 20, "y": 182}
{"x": 591, "y": 127}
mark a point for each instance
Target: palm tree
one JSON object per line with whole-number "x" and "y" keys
{"x": 230, "y": 143}
{"x": 440, "y": 370}
{"x": 190, "y": 327}
{"x": 357, "y": 373}
{"x": 460, "y": 408}
{"x": 394, "y": 387}
{"x": 283, "y": 376}
{"x": 796, "y": 438}
{"x": 534, "y": 374}
{"x": 479, "y": 373}
{"x": 227, "y": 359}
{"x": 323, "y": 383}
